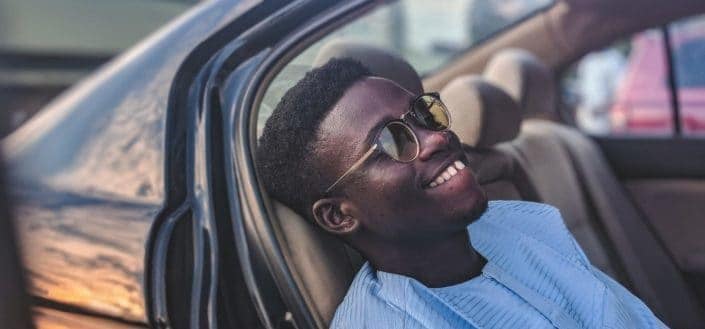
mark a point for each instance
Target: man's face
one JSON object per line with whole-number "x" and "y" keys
{"x": 393, "y": 200}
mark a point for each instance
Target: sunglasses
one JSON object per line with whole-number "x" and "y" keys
{"x": 397, "y": 140}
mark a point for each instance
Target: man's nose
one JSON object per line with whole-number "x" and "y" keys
{"x": 432, "y": 143}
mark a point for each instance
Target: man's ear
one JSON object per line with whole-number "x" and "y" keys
{"x": 335, "y": 215}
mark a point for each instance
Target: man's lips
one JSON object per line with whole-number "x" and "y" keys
{"x": 457, "y": 168}
{"x": 443, "y": 167}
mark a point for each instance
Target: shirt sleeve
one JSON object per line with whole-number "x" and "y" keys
{"x": 637, "y": 310}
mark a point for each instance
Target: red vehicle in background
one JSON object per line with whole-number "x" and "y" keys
{"x": 643, "y": 100}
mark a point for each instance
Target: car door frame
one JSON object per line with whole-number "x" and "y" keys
{"x": 241, "y": 128}
{"x": 210, "y": 116}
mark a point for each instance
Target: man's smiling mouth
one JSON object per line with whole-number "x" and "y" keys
{"x": 447, "y": 174}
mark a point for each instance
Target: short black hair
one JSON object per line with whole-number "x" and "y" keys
{"x": 285, "y": 157}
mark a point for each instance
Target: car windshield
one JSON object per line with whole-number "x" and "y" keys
{"x": 430, "y": 33}
{"x": 426, "y": 34}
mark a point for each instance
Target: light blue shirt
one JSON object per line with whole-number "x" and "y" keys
{"x": 536, "y": 277}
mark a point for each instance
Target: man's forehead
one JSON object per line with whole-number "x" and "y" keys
{"x": 344, "y": 131}
{"x": 367, "y": 102}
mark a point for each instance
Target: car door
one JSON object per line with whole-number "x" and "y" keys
{"x": 642, "y": 100}
{"x": 240, "y": 278}
{"x": 99, "y": 198}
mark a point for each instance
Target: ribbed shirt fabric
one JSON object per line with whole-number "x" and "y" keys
{"x": 536, "y": 276}
{"x": 483, "y": 298}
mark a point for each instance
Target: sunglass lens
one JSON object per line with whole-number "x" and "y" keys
{"x": 398, "y": 141}
{"x": 431, "y": 112}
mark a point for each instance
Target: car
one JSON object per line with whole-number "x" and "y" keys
{"x": 644, "y": 94}
{"x": 640, "y": 79}
{"x": 137, "y": 202}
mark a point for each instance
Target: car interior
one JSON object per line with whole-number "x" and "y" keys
{"x": 509, "y": 110}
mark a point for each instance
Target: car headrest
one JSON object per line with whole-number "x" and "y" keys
{"x": 380, "y": 62}
{"x": 482, "y": 113}
{"x": 529, "y": 81}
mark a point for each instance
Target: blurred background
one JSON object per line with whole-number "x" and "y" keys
{"x": 48, "y": 45}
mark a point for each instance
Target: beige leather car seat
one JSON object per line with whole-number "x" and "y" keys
{"x": 484, "y": 116}
{"x": 569, "y": 171}
{"x": 531, "y": 84}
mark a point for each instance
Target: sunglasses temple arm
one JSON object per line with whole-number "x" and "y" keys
{"x": 354, "y": 167}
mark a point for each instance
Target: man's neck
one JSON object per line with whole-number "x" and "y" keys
{"x": 436, "y": 264}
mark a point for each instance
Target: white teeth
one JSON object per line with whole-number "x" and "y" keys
{"x": 447, "y": 174}
{"x": 452, "y": 170}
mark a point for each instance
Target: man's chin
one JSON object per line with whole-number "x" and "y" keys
{"x": 480, "y": 207}
{"x": 471, "y": 209}
{"x": 474, "y": 207}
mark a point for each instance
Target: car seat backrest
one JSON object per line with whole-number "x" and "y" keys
{"x": 381, "y": 62}
{"x": 648, "y": 265}
{"x": 322, "y": 265}
{"x": 527, "y": 80}
{"x": 544, "y": 159}
{"x": 484, "y": 116}
{"x": 569, "y": 171}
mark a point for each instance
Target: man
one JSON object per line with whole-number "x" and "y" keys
{"x": 370, "y": 162}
